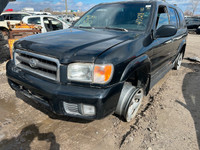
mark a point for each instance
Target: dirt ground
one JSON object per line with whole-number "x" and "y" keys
{"x": 168, "y": 120}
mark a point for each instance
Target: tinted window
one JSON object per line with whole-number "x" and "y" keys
{"x": 6, "y": 17}
{"x": 162, "y": 18}
{"x": 172, "y": 15}
{"x": 131, "y": 16}
{"x": 15, "y": 17}
{"x": 1, "y": 18}
{"x": 34, "y": 21}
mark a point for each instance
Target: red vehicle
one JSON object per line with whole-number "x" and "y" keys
{"x": 9, "y": 10}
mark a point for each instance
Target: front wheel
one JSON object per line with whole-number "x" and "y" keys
{"x": 133, "y": 105}
{"x": 130, "y": 101}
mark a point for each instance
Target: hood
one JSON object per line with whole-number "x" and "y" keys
{"x": 72, "y": 44}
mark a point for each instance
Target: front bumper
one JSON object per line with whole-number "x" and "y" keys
{"x": 53, "y": 94}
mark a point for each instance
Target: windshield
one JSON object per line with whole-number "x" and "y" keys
{"x": 129, "y": 16}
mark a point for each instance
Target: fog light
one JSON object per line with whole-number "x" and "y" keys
{"x": 88, "y": 110}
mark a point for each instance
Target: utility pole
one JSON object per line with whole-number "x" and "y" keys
{"x": 66, "y": 5}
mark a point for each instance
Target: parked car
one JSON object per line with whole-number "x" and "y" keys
{"x": 62, "y": 17}
{"x": 198, "y": 30}
{"x": 193, "y": 23}
{"x": 13, "y": 18}
{"x": 40, "y": 13}
{"x": 70, "y": 18}
{"x": 105, "y": 63}
{"x": 48, "y": 23}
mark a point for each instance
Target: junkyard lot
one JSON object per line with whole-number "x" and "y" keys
{"x": 168, "y": 120}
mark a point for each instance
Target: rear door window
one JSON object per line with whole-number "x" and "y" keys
{"x": 173, "y": 19}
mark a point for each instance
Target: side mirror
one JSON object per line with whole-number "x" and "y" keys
{"x": 166, "y": 31}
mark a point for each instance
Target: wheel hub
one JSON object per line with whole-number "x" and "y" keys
{"x": 134, "y": 105}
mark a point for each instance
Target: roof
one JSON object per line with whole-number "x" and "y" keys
{"x": 158, "y": 2}
{"x": 12, "y": 12}
{"x": 41, "y": 16}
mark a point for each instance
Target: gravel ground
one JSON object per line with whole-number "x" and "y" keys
{"x": 168, "y": 120}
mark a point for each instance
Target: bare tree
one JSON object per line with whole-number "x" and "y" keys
{"x": 188, "y": 13}
{"x": 48, "y": 10}
{"x": 194, "y": 5}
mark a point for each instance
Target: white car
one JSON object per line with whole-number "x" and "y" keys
{"x": 48, "y": 23}
{"x": 13, "y": 18}
{"x": 39, "y": 13}
{"x": 71, "y": 18}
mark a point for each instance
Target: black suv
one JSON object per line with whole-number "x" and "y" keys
{"x": 105, "y": 63}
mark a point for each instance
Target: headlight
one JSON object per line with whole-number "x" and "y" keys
{"x": 80, "y": 72}
{"x": 91, "y": 73}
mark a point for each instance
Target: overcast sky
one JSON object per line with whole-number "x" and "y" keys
{"x": 78, "y": 4}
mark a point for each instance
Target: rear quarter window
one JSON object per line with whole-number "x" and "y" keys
{"x": 6, "y": 17}
{"x": 1, "y": 18}
{"x": 181, "y": 17}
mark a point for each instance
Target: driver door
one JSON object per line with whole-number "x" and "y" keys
{"x": 163, "y": 52}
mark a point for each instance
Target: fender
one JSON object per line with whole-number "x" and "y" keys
{"x": 180, "y": 48}
{"x": 183, "y": 43}
{"x": 139, "y": 62}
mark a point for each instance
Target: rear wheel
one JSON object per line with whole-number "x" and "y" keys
{"x": 178, "y": 62}
{"x": 198, "y": 31}
{"x": 129, "y": 102}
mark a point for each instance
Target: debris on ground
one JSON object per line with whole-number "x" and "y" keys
{"x": 194, "y": 59}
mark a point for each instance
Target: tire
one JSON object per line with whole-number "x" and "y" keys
{"x": 129, "y": 102}
{"x": 1, "y": 36}
{"x": 178, "y": 62}
{"x": 198, "y": 31}
{"x": 5, "y": 34}
{"x": 133, "y": 105}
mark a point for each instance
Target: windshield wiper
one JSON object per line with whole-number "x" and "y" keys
{"x": 114, "y": 28}
{"x": 86, "y": 27}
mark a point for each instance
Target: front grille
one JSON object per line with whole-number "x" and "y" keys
{"x": 71, "y": 108}
{"x": 38, "y": 64}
